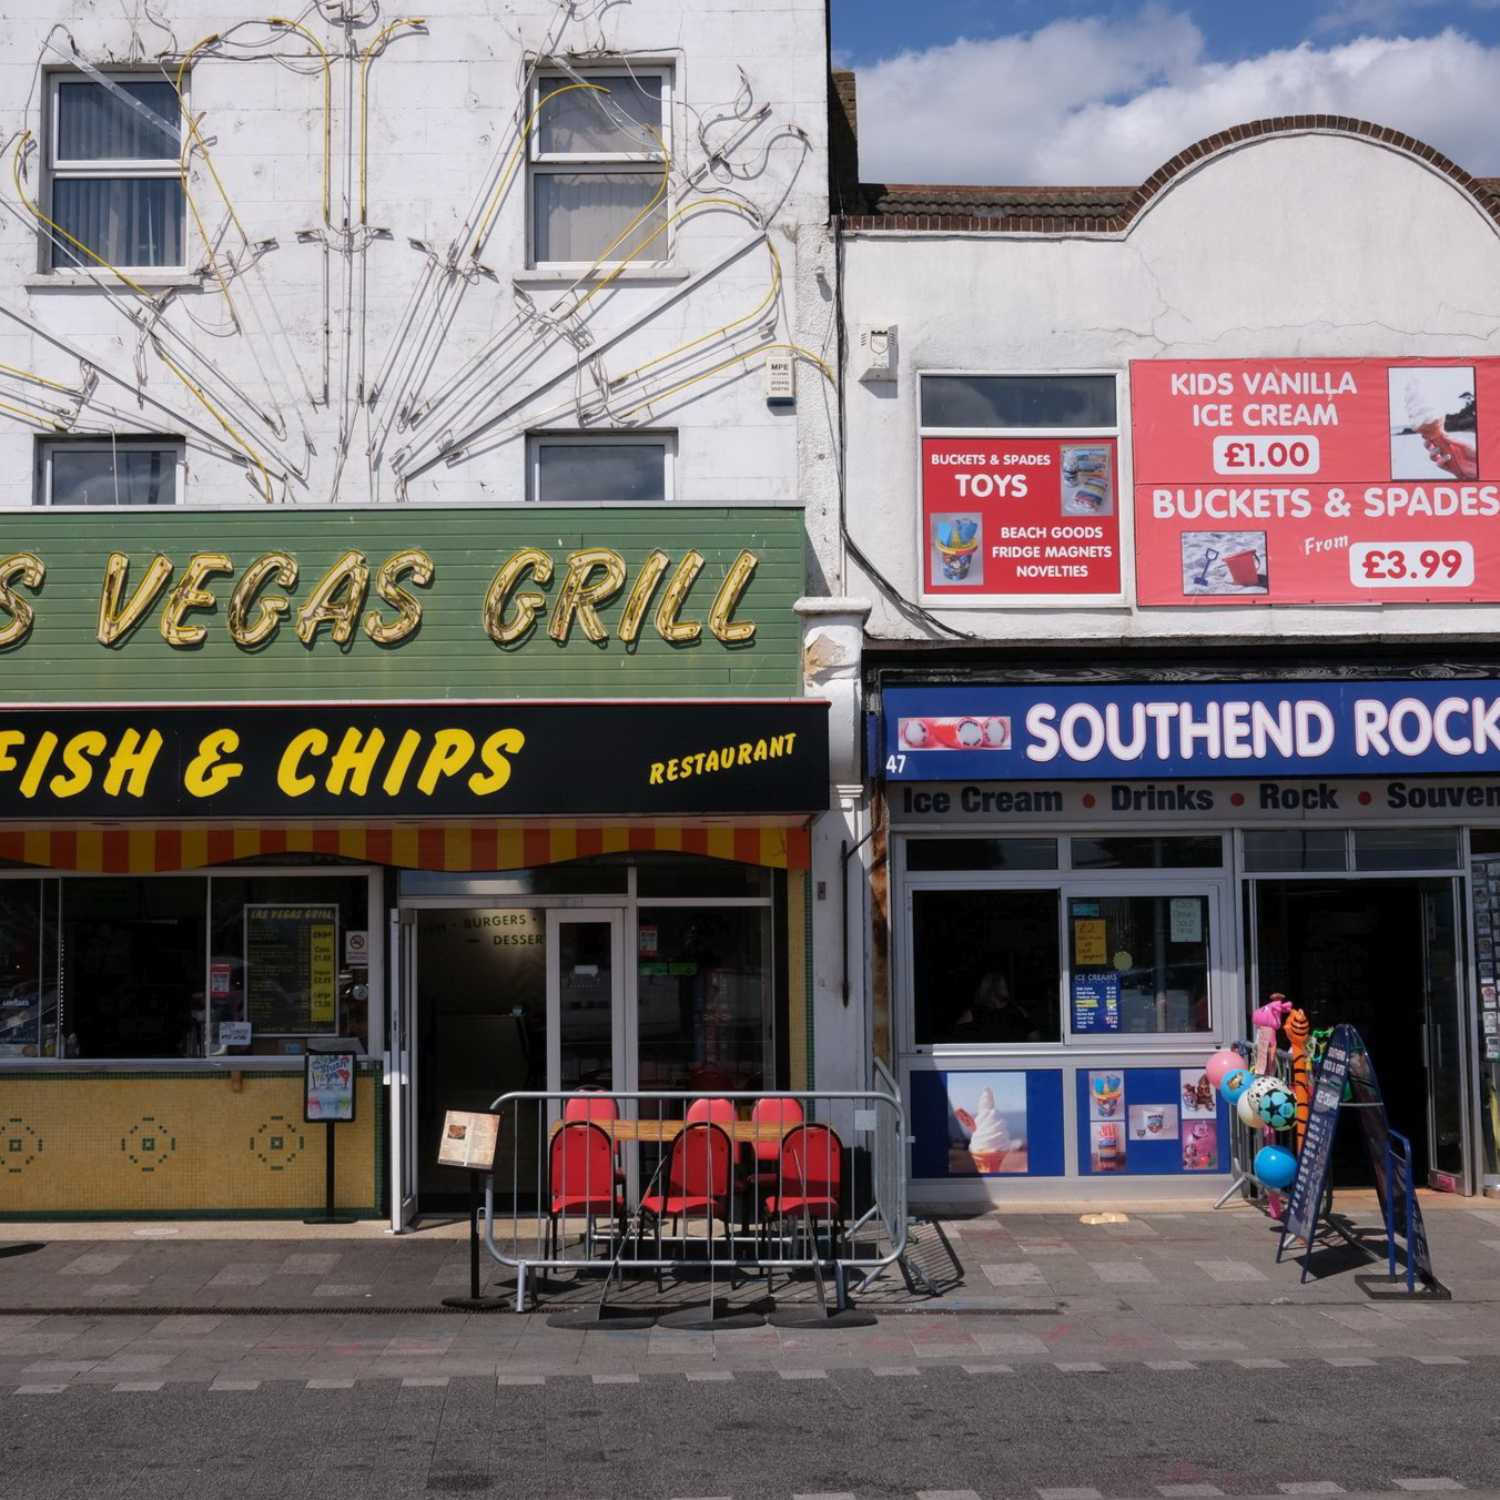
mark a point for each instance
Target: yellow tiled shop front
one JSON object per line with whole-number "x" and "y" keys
{"x": 160, "y": 1143}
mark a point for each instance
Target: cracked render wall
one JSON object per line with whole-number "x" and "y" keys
{"x": 1313, "y": 244}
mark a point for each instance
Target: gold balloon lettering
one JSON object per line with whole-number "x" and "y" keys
{"x": 208, "y": 773}
{"x": 288, "y": 775}
{"x": 190, "y": 595}
{"x": 639, "y": 600}
{"x": 528, "y": 605}
{"x": 133, "y": 758}
{"x": 669, "y": 627}
{"x": 19, "y": 567}
{"x": 116, "y": 621}
{"x": 248, "y": 631}
{"x": 419, "y": 566}
{"x": 580, "y": 597}
{"x": 731, "y": 591}
{"x": 336, "y": 601}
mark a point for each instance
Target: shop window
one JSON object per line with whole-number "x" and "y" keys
{"x": 1296, "y": 849}
{"x": 629, "y": 468}
{"x": 1143, "y": 958}
{"x": 109, "y": 471}
{"x": 1019, "y": 401}
{"x": 277, "y": 960}
{"x": 1406, "y": 848}
{"x": 133, "y": 967}
{"x": 1197, "y": 852}
{"x": 28, "y": 968}
{"x": 599, "y": 155}
{"x": 981, "y": 854}
{"x": 113, "y": 173}
{"x": 705, "y": 998}
{"x": 985, "y": 967}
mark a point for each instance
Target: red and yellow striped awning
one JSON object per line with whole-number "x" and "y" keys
{"x": 412, "y": 846}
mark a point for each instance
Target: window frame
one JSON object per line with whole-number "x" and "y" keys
{"x": 101, "y": 168}
{"x": 630, "y": 438}
{"x": 1118, "y": 434}
{"x": 1224, "y": 998}
{"x": 48, "y": 444}
{"x": 541, "y": 163}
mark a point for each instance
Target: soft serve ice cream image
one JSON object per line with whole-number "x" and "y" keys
{"x": 989, "y": 1142}
{"x": 1421, "y": 406}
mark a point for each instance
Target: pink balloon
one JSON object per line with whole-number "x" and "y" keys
{"x": 1220, "y": 1064}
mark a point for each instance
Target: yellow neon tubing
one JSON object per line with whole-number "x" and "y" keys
{"x": 208, "y": 249}
{"x": 35, "y": 421}
{"x": 511, "y": 161}
{"x": 327, "y": 109}
{"x": 364, "y": 100}
{"x": 192, "y": 136}
{"x": 219, "y": 417}
{"x": 727, "y": 328}
{"x": 51, "y": 385}
{"x": 140, "y": 291}
{"x": 57, "y": 228}
{"x": 734, "y": 359}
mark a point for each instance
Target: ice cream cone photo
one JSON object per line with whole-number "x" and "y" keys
{"x": 987, "y": 1123}
{"x": 1434, "y": 422}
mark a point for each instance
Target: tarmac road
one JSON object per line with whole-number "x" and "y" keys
{"x": 942, "y": 1430}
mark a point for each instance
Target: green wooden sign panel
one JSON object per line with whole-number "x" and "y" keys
{"x": 404, "y": 601}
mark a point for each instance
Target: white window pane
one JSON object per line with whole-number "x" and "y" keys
{"x": 91, "y": 476}
{"x": 94, "y": 125}
{"x": 127, "y": 221}
{"x": 579, "y": 215}
{"x": 585, "y": 121}
{"x": 570, "y": 472}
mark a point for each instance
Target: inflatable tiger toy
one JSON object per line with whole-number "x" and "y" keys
{"x": 1298, "y": 1030}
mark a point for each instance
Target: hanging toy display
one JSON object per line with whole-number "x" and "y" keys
{"x": 1277, "y": 1108}
{"x": 1275, "y": 1167}
{"x": 1226, "y": 1060}
{"x": 1298, "y": 1032}
{"x": 1232, "y": 1085}
{"x": 1267, "y": 1022}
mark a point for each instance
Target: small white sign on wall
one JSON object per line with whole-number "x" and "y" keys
{"x": 1187, "y": 919}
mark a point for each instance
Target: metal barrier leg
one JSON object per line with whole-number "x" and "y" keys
{"x": 521, "y": 1287}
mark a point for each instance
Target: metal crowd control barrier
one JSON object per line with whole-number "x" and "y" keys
{"x": 622, "y": 1181}
{"x": 1245, "y": 1141}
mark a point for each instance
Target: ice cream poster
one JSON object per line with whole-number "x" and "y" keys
{"x": 987, "y": 1123}
{"x": 1149, "y": 1122}
{"x": 1020, "y": 517}
{"x": 1316, "y": 481}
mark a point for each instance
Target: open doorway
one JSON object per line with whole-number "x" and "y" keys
{"x": 1381, "y": 955}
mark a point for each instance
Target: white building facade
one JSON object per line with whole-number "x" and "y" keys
{"x": 1176, "y": 512}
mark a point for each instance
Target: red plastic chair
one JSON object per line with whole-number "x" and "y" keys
{"x": 699, "y": 1178}
{"x": 720, "y": 1111}
{"x": 595, "y": 1104}
{"x": 765, "y": 1175}
{"x": 811, "y": 1179}
{"x": 581, "y": 1179}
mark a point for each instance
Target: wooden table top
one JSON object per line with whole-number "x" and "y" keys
{"x": 744, "y": 1132}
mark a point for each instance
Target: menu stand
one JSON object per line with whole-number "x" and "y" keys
{"x": 328, "y": 1096}
{"x": 469, "y": 1140}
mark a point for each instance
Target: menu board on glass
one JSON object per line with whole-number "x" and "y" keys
{"x": 291, "y": 969}
{"x": 1486, "y": 872}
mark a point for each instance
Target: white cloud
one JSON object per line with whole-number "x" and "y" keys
{"x": 1108, "y": 101}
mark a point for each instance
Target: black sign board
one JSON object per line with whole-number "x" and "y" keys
{"x": 676, "y": 759}
{"x": 1347, "y": 1063}
{"x": 291, "y": 968}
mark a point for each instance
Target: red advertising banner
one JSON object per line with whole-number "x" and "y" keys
{"x": 1316, "y": 481}
{"x": 1016, "y": 517}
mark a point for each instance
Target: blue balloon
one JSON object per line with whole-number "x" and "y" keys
{"x": 1275, "y": 1167}
{"x": 1234, "y": 1083}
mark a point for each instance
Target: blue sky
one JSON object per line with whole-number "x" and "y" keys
{"x": 1064, "y": 91}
